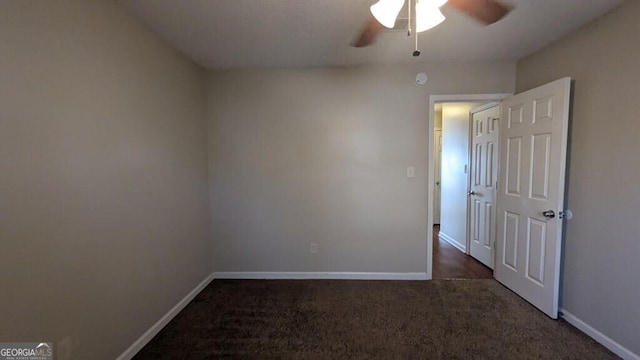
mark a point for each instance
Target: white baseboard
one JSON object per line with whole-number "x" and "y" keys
{"x": 598, "y": 336}
{"x": 451, "y": 241}
{"x": 320, "y": 275}
{"x": 155, "y": 329}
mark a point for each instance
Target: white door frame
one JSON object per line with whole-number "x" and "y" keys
{"x": 433, "y": 99}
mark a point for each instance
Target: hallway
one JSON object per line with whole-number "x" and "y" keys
{"x": 451, "y": 263}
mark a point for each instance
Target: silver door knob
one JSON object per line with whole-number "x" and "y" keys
{"x": 549, "y": 214}
{"x": 471, "y": 193}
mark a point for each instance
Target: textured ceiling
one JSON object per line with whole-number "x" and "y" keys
{"x": 220, "y": 34}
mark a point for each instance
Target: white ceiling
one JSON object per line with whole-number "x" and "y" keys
{"x": 220, "y": 34}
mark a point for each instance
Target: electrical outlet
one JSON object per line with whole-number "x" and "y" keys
{"x": 313, "y": 248}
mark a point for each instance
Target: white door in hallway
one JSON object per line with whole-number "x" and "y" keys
{"x": 483, "y": 179}
{"x": 437, "y": 176}
{"x": 533, "y": 148}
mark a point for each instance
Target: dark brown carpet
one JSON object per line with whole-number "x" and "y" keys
{"x": 324, "y": 319}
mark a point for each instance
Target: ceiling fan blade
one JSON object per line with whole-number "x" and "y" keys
{"x": 370, "y": 32}
{"x": 485, "y": 11}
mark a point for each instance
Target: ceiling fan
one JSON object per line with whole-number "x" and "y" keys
{"x": 428, "y": 15}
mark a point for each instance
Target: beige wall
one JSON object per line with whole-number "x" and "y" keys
{"x": 320, "y": 155}
{"x": 602, "y": 248}
{"x": 103, "y": 209}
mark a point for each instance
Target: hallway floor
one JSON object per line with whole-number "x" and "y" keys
{"x": 451, "y": 263}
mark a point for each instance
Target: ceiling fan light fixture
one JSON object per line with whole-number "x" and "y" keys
{"x": 427, "y": 15}
{"x": 386, "y": 11}
{"x": 435, "y": 3}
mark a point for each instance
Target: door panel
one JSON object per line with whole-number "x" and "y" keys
{"x": 533, "y": 149}
{"x": 484, "y": 158}
{"x": 511, "y": 230}
{"x": 539, "y": 177}
{"x": 514, "y": 158}
{"x": 535, "y": 250}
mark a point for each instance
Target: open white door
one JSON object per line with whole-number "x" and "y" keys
{"x": 437, "y": 176}
{"x": 533, "y": 147}
{"x": 483, "y": 179}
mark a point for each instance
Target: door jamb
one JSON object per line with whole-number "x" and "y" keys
{"x": 433, "y": 99}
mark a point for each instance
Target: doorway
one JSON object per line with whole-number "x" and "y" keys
{"x": 447, "y": 248}
{"x": 454, "y": 254}
{"x": 530, "y": 202}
